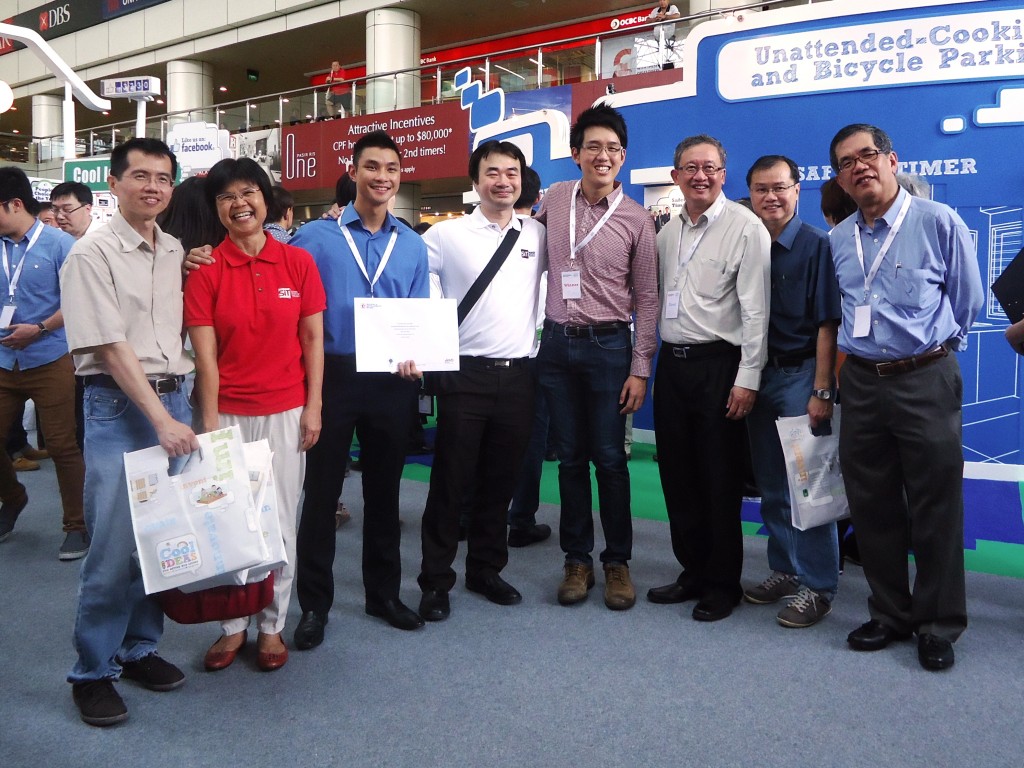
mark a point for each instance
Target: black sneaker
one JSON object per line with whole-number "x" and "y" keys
{"x": 98, "y": 703}
{"x": 153, "y": 672}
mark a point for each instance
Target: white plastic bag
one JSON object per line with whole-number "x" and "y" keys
{"x": 816, "y": 490}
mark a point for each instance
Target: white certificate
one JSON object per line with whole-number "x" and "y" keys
{"x": 391, "y": 331}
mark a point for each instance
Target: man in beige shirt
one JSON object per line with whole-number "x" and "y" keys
{"x": 121, "y": 298}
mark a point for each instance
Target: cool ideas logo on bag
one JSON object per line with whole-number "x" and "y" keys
{"x": 178, "y": 555}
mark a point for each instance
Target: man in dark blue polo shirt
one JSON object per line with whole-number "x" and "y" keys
{"x": 797, "y": 379}
{"x": 366, "y": 252}
{"x": 34, "y": 359}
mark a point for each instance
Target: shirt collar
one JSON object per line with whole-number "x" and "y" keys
{"x": 236, "y": 257}
{"x": 607, "y": 199}
{"x": 479, "y": 221}
{"x": 708, "y": 215}
{"x": 349, "y": 215}
{"x": 28, "y": 233}
{"x": 889, "y": 217}
{"x": 789, "y": 233}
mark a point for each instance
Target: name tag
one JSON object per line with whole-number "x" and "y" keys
{"x": 571, "y": 284}
{"x": 7, "y": 315}
{"x": 671, "y": 305}
{"x": 862, "y": 321}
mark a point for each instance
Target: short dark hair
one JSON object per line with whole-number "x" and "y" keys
{"x": 530, "y": 189}
{"x": 189, "y": 217}
{"x": 378, "y": 139}
{"x": 835, "y": 203}
{"x": 880, "y": 137}
{"x": 765, "y": 162}
{"x": 154, "y": 147}
{"x": 494, "y": 147}
{"x": 228, "y": 171}
{"x": 422, "y": 227}
{"x": 693, "y": 141}
{"x": 600, "y": 116}
{"x": 75, "y": 189}
{"x": 14, "y": 184}
{"x": 280, "y": 203}
{"x": 344, "y": 190}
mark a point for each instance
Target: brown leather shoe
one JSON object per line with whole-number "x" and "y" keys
{"x": 21, "y": 464}
{"x": 34, "y": 454}
{"x": 268, "y": 661}
{"x": 217, "y": 659}
{"x": 577, "y": 580}
{"x": 619, "y": 594}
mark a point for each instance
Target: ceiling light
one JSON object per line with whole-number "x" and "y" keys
{"x": 223, "y": 89}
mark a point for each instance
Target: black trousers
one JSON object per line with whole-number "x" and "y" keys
{"x": 700, "y": 460}
{"x": 484, "y": 420}
{"x": 900, "y": 446}
{"x": 376, "y": 407}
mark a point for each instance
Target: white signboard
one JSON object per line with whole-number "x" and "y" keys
{"x": 198, "y": 146}
{"x": 130, "y": 87}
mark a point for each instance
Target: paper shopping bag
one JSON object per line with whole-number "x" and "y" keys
{"x": 816, "y": 490}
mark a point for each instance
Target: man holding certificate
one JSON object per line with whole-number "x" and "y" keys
{"x": 492, "y": 262}
{"x": 365, "y": 253}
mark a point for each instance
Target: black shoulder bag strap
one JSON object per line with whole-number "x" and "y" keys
{"x": 479, "y": 285}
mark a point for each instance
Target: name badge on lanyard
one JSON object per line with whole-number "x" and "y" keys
{"x": 359, "y": 259}
{"x": 862, "y": 312}
{"x": 7, "y": 313}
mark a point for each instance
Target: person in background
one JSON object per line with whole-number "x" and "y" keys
{"x": 280, "y": 215}
{"x": 232, "y": 321}
{"x": 189, "y": 217}
{"x": 337, "y": 91}
{"x": 47, "y": 216}
{"x": 72, "y": 206}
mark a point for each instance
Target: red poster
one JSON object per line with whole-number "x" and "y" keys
{"x": 434, "y": 141}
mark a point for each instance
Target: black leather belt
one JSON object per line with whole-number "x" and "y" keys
{"x": 466, "y": 361}
{"x": 576, "y": 331}
{"x": 162, "y": 385}
{"x": 698, "y": 351}
{"x": 791, "y": 358}
{"x": 896, "y": 367}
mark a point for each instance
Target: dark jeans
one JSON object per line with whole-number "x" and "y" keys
{"x": 376, "y": 407}
{"x": 483, "y": 421}
{"x": 582, "y": 379}
{"x": 522, "y": 513}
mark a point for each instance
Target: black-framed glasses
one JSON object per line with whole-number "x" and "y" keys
{"x": 67, "y": 210}
{"x": 761, "y": 190}
{"x": 867, "y": 157}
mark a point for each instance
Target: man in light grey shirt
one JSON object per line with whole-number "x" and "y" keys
{"x": 714, "y": 270}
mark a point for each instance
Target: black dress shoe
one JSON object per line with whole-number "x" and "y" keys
{"x": 494, "y": 588}
{"x": 434, "y": 605}
{"x": 673, "y": 593}
{"x": 310, "y": 632}
{"x": 873, "y": 636}
{"x": 524, "y": 537}
{"x": 934, "y": 653}
{"x": 396, "y": 613}
{"x": 714, "y": 607}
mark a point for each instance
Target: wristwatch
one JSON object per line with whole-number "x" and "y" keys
{"x": 42, "y": 328}
{"x": 822, "y": 394}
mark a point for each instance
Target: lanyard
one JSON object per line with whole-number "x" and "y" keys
{"x": 573, "y": 247}
{"x": 883, "y": 250}
{"x": 359, "y": 261}
{"x": 683, "y": 260}
{"x": 13, "y": 281}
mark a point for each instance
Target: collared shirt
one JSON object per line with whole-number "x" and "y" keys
{"x": 115, "y": 287}
{"x": 503, "y": 322}
{"x": 618, "y": 267}
{"x": 277, "y": 232}
{"x": 723, "y": 288}
{"x": 805, "y": 293}
{"x": 255, "y": 306}
{"x": 36, "y": 294}
{"x": 927, "y": 290}
{"x": 404, "y": 277}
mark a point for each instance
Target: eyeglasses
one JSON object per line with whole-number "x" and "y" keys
{"x": 596, "y": 149}
{"x": 691, "y": 169}
{"x": 245, "y": 196}
{"x": 67, "y": 210}
{"x": 776, "y": 189}
{"x": 867, "y": 157}
{"x": 159, "y": 180}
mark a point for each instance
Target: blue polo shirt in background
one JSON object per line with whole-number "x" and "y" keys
{"x": 927, "y": 291}
{"x": 36, "y": 294}
{"x": 805, "y": 293}
{"x": 406, "y": 275}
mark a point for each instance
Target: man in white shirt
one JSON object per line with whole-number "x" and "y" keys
{"x": 485, "y": 410}
{"x": 72, "y": 205}
{"x": 714, "y": 269}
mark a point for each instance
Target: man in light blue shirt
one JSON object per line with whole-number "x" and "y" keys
{"x": 34, "y": 359}
{"x": 911, "y": 288}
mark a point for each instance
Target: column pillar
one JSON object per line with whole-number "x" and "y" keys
{"x": 190, "y": 87}
{"x": 48, "y": 121}
{"x": 393, "y": 43}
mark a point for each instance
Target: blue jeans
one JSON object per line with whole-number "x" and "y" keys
{"x": 582, "y": 378}
{"x": 811, "y": 555}
{"x": 116, "y": 621}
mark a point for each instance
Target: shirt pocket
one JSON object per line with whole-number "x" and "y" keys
{"x": 914, "y": 289}
{"x": 712, "y": 278}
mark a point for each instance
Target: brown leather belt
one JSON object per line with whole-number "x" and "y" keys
{"x": 906, "y": 365}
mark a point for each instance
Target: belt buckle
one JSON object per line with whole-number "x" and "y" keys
{"x": 502, "y": 363}
{"x": 680, "y": 351}
{"x": 165, "y": 385}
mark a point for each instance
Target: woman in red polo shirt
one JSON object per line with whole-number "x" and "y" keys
{"x": 255, "y": 317}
